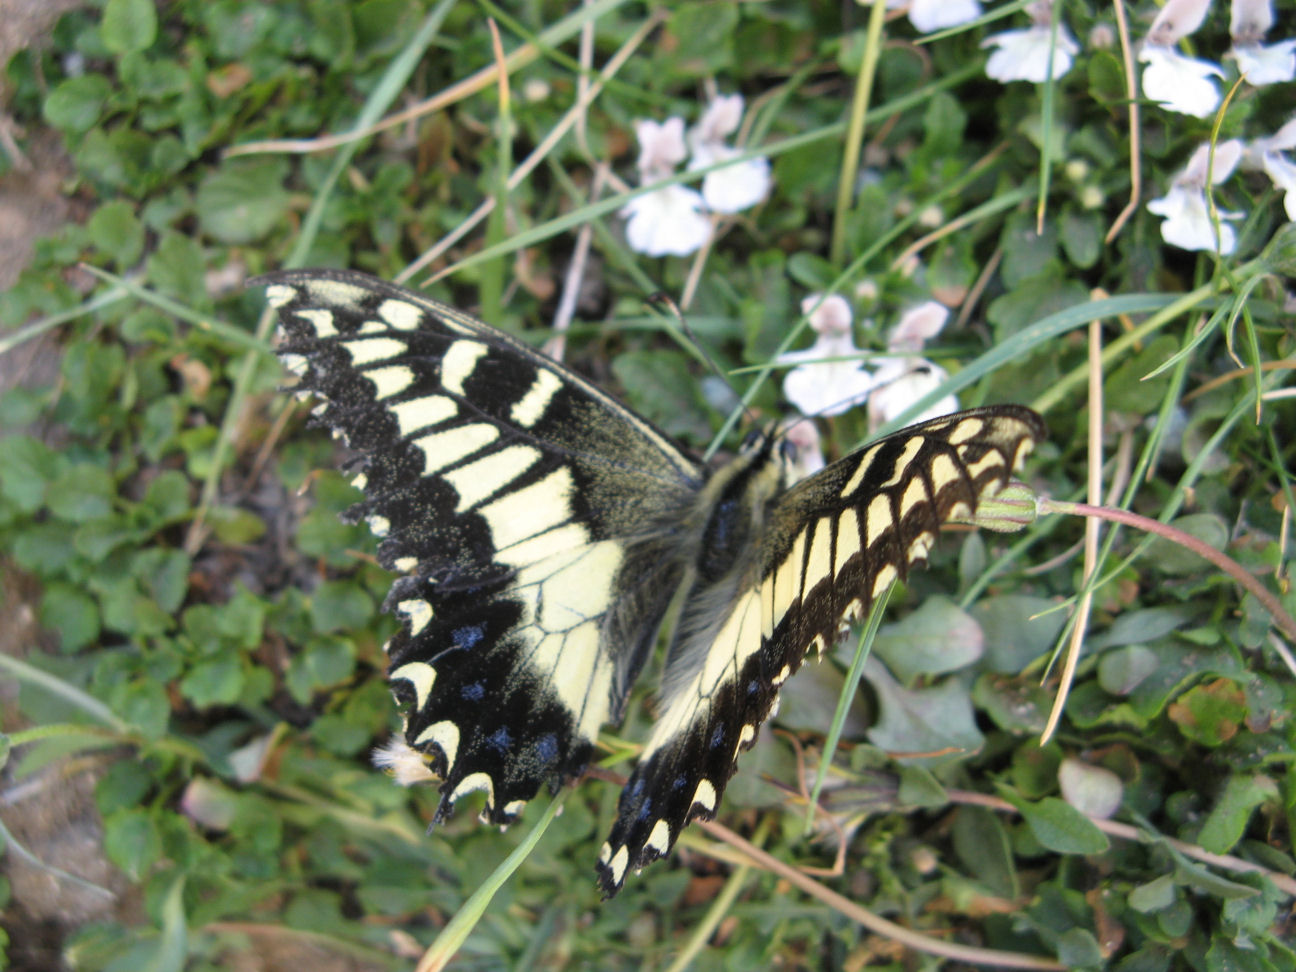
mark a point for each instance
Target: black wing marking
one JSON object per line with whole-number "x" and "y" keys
{"x": 833, "y": 543}
{"x": 526, "y": 508}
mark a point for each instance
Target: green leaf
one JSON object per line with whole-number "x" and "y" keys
{"x": 658, "y": 384}
{"x": 176, "y": 269}
{"x": 1032, "y": 300}
{"x": 323, "y": 663}
{"x": 1028, "y": 256}
{"x": 172, "y": 945}
{"x": 928, "y": 720}
{"x": 84, "y": 492}
{"x": 167, "y": 497}
{"x": 1171, "y": 557}
{"x": 216, "y": 681}
{"x": 1082, "y": 237}
{"x": 1228, "y": 820}
{"x": 1210, "y": 714}
{"x": 27, "y": 467}
{"x": 128, "y": 25}
{"x": 340, "y": 606}
{"x": 1121, "y": 671}
{"x": 1078, "y": 949}
{"x": 1061, "y": 827}
{"x": 1156, "y": 894}
{"x": 919, "y": 788}
{"x": 982, "y": 844}
{"x": 116, "y": 233}
{"x": 1016, "y": 703}
{"x": 701, "y": 39}
{"x": 244, "y": 200}
{"x": 234, "y": 525}
{"x": 72, "y": 613}
{"x": 123, "y": 784}
{"x": 1127, "y": 389}
{"x": 1200, "y": 878}
{"x": 76, "y": 103}
{"x": 938, "y": 637}
{"x": 1017, "y": 629}
{"x": 322, "y": 535}
{"x": 143, "y": 703}
{"x": 1137, "y": 627}
{"x": 132, "y": 842}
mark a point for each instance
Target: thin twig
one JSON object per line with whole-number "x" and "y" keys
{"x": 1131, "y": 91}
{"x": 1092, "y": 527}
{"x": 875, "y": 923}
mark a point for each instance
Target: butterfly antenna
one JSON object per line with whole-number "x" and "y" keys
{"x": 661, "y": 298}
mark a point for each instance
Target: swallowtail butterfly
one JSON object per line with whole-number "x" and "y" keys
{"x": 542, "y": 529}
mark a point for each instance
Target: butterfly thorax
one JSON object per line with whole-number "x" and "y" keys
{"x": 735, "y": 504}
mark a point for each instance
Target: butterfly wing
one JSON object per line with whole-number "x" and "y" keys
{"x": 527, "y": 510}
{"x": 831, "y": 544}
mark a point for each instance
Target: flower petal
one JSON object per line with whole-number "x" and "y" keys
{"x": 1023, "y": 55}
{"x": 738, "y": 186}
{"x": 666, "y": 222}
{"x": 1260, "y": 65}
{"x": 917, "y": 378}
{"x": 932, "y": 15}
{"x": 1179, "y": 83}
{"x": 917, "y": 326}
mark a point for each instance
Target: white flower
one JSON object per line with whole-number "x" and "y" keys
{"x": 916, "y": 326}
{"x": 1173, "y": 80}
{"x": 661, "y": 147}
{"x": 1188, "y": 222}
{"x": 904, "y": 377}
{"x": 735, "y": 187}
{"x": 1259, "y": 65}
{"x": 669, "y": 221}
{"x": 901, "y": 381}
{"x": 929, "y": 16}
{"x": 1023, "y": 55}
{"x": 1180, "y": 83}
{"x": 827, "y": 387}
{"x": 1267, "y": 154}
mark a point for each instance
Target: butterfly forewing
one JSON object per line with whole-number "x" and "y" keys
{"x": 526, "y": 508}
{"x": 831, "y": 545}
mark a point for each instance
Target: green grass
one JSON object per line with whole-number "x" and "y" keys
{"x": 210, "y": 654}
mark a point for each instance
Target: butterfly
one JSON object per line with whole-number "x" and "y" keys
{"x": 542, "y": 530}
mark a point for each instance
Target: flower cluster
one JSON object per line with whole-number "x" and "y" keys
{"x": 829, "y": 378}
{"x": 1189, "y": 85}
{"x": 674, "y": 220}
{"x": 1171, "y": 79}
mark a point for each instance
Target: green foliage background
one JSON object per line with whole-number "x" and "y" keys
{"x": 210, "y": 657}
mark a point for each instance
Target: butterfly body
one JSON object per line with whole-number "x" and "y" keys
{"x": 543, "y": 530}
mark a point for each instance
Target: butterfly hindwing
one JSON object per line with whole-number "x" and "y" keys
{"x": 830, "y": 546}
{"x": 526, "y": 509}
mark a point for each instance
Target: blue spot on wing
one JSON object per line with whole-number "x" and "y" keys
{"x": 468, "y": 636}
{"x": 547, "y": 748}
{"x": 501, "y": 740}
{"x": 717, "y": 736}
{"x": 474, "y": 692}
